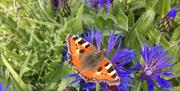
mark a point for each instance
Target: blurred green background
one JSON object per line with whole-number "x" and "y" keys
{"x": 32, "y": 37}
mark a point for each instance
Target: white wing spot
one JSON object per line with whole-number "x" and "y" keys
{"x": 108, "y": 66}
{"x": 112, "y": 73}
{"x": 85, "y": 44}
{"x": 73, "y": 36}
{"x": 116, "y": 78}
{"x": 78, "y": 40}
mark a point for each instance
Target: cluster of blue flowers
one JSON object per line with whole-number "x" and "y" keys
{"x": 125, "y": 55}
{"x": 100, "y": 4}
{"x": 152, "y": 68}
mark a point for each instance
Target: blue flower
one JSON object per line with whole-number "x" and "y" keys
{"x": 99, "y": 3}
{"x": 155, "y": 64}
{"x": 1, "y": 87}
{"x": 120, "y": 58}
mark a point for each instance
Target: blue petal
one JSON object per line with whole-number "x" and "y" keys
{"x": 152, "y": 54}
{"x": 163, "y": 63}
{"x": 157, "y": 51}
{"x": 108, "y": 4}
{"x": 150, "y": 83}
{"x": 125, "y": 53}
{"x": 104, "y": 86}
{"x": 101, "y": 2}
{"x": 138, "y": 66}
{"x": 166, "y": 73}
{"x": 89, "y": 36}
{"x": 121, "y": 88}
{"x": 165, "y": 60}
{"x": 118, "y": 56}
{"x": 172, "y": 12}
{"x": 125, "y": 62}
{"x": 88, "y": 86}
{"x": 162, "y": 66}
{"x": 144, "y": 52}
{"x": 5, "y": 89}
{"x": 98, "y": 37}
{"x": 112, "y": 41}
{"x": 164, "y": 83}
{"x": 122, "y": 72}
{"x": 65, "y": 54}
{"x": 126, "y": 79}
{"x": 74, "y": 81}
{"x": 71, "y": 75}
{"x": 150, "y": 88}
{"x": 161, "y": 56}
{"x": 1, "y": 87}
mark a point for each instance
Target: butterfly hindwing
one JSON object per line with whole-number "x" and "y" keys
{"x": 106, "y": 72}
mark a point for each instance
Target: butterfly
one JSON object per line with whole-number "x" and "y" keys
{"x": 91, "y": 64}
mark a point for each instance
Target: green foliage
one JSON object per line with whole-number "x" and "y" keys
{"x": 32, "y": 38}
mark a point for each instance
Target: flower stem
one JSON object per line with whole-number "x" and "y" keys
{"x": 98, "y": 87}
{"x": 139, "y": 86}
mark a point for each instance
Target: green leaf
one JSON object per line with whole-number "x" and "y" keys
{"x": 137, "y": 5}
{"x": 8, "y": 21}
{"x": 78, "y": 21}
{"x": 24, "y": 67}
{"x": 14, "y": 74}
{"x": 122, "y": 21}
{"x": 151, "y": 3}
{"x": 176, "y": 34}
{"x": 88, "y": 20}
{"x": 145, "y": 21}
{"x": 164, "y": 7}
{"x": 100, "y": 23}
{"x": 131, "y": 18}
{"x": 110, "y": 21}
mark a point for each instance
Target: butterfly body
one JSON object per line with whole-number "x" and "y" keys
{"x": 90, "y": 63}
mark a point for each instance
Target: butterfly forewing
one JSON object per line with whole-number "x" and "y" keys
{"x": 76, "y": 47}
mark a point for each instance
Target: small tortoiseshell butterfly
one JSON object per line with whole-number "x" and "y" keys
{"x": 91, "y": 64}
